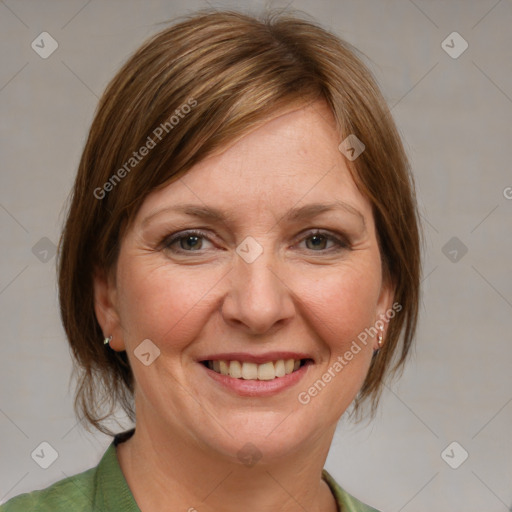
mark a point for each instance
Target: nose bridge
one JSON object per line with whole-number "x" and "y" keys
{"x": 259, "y": 276}
{"x": 257, "y": 297}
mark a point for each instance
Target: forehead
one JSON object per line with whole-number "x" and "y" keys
{"x": 292, "y": 159}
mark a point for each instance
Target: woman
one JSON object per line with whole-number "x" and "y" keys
{"x": 239, "y": 265}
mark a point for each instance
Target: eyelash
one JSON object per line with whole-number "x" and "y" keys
{"x": 170, "y": 240}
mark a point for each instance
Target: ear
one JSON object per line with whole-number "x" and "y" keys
{"x": 385, "y": 307}
{"x": 105, "y": 307}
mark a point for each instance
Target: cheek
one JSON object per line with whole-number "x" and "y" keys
{"x": 170, "y": 305}
{"x": 341, "y": 304}
{"x": 162, "y": 303}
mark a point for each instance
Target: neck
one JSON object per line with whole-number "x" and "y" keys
{"x": 181, "y": 475}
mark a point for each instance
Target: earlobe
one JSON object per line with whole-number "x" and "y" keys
{"x": 105, "y": 307}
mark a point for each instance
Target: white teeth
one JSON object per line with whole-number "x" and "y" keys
{"x": 235, "y": 369}
{"x": 266, "y": 371}
{"x": 252, "y": 371}
{"x": 224, "y": 368}
{"x": 249, "y": 371}
{"x": 279, "y": 368}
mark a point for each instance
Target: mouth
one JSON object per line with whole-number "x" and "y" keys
{"x": 249, "y": 370}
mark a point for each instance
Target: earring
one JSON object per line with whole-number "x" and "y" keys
{"x": 379, "y": 343}
{"x": 106, "y": 341}
{"x": 379, "y": 339}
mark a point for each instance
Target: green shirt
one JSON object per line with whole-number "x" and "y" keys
{"x": 104, "y": 489}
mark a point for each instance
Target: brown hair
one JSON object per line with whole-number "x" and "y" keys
{"x": 233, "y": 72}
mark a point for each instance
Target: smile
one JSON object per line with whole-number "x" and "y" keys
{"x": 245, "y": 370}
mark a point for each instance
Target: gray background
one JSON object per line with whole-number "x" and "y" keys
{"x": 455, "y": 116}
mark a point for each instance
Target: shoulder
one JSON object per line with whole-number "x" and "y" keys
{"x": 100, "y": 488}
{"x": 345, "y": 501}
{"x": 72, "y": 494}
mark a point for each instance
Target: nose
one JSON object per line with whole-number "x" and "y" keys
{"x": 258, "y": 299}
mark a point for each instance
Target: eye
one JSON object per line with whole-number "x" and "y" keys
{"x": 196, "y": 241}
{"x": 319, "y": 241}
{"x": 186, "y": 241}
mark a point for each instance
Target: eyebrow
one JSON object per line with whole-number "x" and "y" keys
{"x": 294, "y": 214}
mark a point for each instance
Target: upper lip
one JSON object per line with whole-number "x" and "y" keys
{"x": 255, "y": 358}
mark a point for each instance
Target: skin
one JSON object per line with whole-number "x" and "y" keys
{"x": 302, "y": 294}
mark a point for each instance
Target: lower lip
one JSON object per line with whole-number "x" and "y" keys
{"x": 258, "y": 387}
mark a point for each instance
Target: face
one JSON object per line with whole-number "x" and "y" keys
{"x": 252, "y": 277}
